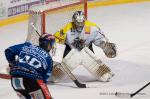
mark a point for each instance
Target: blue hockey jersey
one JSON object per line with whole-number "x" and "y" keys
{"x": 32, "y": 61}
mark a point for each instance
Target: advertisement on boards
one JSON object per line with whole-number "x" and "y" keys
{"x": 14, "y": 7}
{"x": 9, "y": 8}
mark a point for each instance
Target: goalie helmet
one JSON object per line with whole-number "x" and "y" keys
{"x": 46, "y": 41}
{"x": 78, "y": 19}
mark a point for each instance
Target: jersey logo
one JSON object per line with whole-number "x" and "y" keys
{"x": 78, "y": 43}
{"x": 30, "y": 60}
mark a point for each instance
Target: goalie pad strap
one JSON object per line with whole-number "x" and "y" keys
{"x": 93, "y": 64}
{"x": 57, "y": 73}
{"x": 102, "y": 70}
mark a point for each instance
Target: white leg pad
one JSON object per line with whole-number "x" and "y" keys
{"x": 73, "y": 59}
{"x": 89, "y": 60}
{"x": 57, "y": 52}
{"x": 95, "y": 66}
{"x": 106, "y": 77}
{"x": 57, "y": 73}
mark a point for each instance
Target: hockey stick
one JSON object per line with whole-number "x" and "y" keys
{"x": 68, "y": 72}
{"x": 72, "y": 77}
{"x": 127, "y": 95}
{"x": 32, "y": 24}
{"x": 5, "y": 76}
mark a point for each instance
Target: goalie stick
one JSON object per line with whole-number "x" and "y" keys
{"x": 72, "y": 77}
{"x": 32, "y": 24}
{"x": 68, "y": 72}
{"x": 127, "y": 95}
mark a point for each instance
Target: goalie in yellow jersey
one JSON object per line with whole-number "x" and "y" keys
{"x": 78, "y": 37}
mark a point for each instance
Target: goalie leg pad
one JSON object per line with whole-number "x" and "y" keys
{"x": 102, "y": 69}
{"x": 57, "y": 73}
{"x": 95, "y": 66}
{"x": 104, "y": 73}
{"x": 73, "y": 59}
{"x": 58, "y": 52}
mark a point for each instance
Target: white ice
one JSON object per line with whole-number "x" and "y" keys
{"x": 127, "y": 25}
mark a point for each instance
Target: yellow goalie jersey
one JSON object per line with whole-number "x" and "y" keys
{"x": 90, "y": 33}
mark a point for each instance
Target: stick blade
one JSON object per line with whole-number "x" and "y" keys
{"x": 80, "y": 85}
{"x": 123, "y": 95}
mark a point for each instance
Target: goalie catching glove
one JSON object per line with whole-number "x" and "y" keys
{"x": 109, "y": 49}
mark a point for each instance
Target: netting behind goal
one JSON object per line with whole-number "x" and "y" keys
{"x": 52, "y": 16}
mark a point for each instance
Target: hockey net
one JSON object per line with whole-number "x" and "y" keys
{"x": 51, "y": 17}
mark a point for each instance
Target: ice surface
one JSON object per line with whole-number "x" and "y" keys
{"x": 126, "y": 25}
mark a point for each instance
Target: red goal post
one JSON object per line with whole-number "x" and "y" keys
{"x": 52, "y": 16}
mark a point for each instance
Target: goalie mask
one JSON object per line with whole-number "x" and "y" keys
{"x": 78, "y": 19}
{"x": 46, "y": 41}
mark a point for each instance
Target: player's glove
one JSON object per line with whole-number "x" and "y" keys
{"x": 109, "y": 49}
{"x": 11, "y": 65}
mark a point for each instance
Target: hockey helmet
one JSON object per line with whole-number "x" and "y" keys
{"x": 46, "y": 41}
{"x": 78, "y": 19}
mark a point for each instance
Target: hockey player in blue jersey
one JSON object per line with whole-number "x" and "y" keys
{"x": 30, "y": 67}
